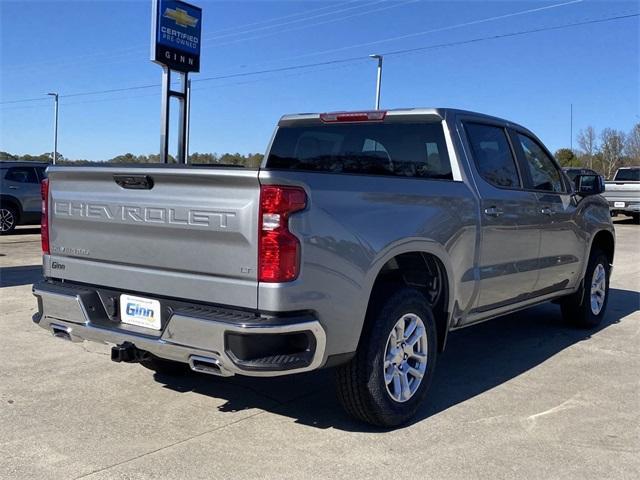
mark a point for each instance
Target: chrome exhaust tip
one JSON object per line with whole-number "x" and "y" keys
{"x": 60, "y": 331}
{"x": 208, "y": 365}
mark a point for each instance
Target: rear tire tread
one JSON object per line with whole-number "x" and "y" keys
{"x": 356, "y": 383}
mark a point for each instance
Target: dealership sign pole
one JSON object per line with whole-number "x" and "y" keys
{"x": 176, "y": 28}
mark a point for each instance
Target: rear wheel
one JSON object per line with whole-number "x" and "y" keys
{"x": 8, "y": 219}
{"x": 587, "y": 306}
{"x": 636, "y": 217}
{"x": 165, "y": 367}
{"x": 387, "y": 380}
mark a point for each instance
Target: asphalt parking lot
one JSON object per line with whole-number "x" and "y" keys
{"x": 519, "y": 397}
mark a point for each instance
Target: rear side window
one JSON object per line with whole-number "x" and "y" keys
{"x": 543, "y": 172}
{"x": 493, "y": 155}
{"x": 21, "y": 175}
{"x": 392, "y": 149}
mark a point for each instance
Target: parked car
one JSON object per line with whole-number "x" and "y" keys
{"x": 20, "y": 194}
{"x": 623, "y": 193}
{"x": 361, "y": 241}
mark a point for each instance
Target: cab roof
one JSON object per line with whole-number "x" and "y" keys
{"x": 402, "y": 114}
{"x": 22, "y": 163}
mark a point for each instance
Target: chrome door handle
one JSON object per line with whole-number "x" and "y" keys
{"x": 546, "y": 211}
{"x": 493, "y": 211}
{"x": 11, "y": 187}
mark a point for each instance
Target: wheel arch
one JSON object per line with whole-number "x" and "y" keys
{"x": 605, "y": 241}
{"x": 406, "y": 265}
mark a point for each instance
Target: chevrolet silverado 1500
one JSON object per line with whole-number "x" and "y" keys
{"x": 360, "y": 242}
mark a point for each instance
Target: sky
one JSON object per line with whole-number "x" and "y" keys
{"x": 85, "y": 46}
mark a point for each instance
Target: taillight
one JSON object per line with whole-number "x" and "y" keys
{"x": 44, "y": 219}
{"x": 370, "y": 116}
{"x": 279, "y": 249}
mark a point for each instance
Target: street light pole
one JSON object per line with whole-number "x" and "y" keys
{"x": 379, "y": 79}
{"x": 571, "y": 128}
{"x": 55, "y": 127}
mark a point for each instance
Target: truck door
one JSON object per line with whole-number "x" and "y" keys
{"x": 561, "y": 242}
{"x": 510, "y": 235}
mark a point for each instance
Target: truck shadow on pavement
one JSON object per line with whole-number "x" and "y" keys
{"x": 476, "y": 360}
{"x": 623, "y": 221}
{"x": 23, "y": 230}
{"x": 22, "y": 275}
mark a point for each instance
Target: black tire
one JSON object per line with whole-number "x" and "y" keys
{"x": 165, "y": 367}
{"x": 577, "y": 309}
{"x": 8, "y": 219}
{"x": 361, "y": 386}
{"x": 636, "y": 217}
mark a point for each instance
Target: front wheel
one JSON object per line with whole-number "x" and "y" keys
{"x": 587, "y": 306}
{"x": 387, "y": 380}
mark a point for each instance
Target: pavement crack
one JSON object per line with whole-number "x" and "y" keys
{"x": 531, "y": 420}
{"x": 83, "y": 347}
{"x": 184, "y": 440}
{"x": 169, "y": 446}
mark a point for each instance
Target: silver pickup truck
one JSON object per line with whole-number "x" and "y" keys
{"x": 361, "y": 241}
{"x": 623, "y": 193}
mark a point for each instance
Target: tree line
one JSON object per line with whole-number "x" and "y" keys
{"x": 251, "y": 160}
{"x": 604, "y": 151}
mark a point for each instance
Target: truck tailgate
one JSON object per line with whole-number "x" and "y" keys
{"x": 622, "y": 191}
{"x": 193, "y": 234}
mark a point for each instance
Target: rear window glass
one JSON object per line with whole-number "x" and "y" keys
{"x": 393, "y": 149}
{"x": 628, "y": 175}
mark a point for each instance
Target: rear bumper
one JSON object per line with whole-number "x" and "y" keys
{"x": 234, "y": 342}
{"x": 624, "y": 206}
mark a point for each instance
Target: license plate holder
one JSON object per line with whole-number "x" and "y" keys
{"x": 140, "y": 311}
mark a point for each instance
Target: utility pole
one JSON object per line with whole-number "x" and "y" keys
{"x": 379, "y": 79}
{"x": 571, "y": 129}
{"x": 188, "y": 121}
{"x": 55, "y": 127}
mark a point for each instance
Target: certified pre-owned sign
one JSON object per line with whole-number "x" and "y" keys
{"x": 175, "y": 35}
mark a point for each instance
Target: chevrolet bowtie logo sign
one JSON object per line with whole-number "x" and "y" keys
{"x": 175, "y": 35}
{"x": 181, "y": 17}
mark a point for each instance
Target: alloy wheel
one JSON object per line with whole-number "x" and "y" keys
{"x": 7, "y": 219}
{"x": 405, "y": 357}
{"x": 598, "y": 288}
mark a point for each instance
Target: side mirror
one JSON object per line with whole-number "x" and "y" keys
{"x": 589, "y": 184}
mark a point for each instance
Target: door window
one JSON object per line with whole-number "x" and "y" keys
{"x": 492, "y": 154}
{"x": 543, "y": 172}
{"x": 22, "y": 175}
